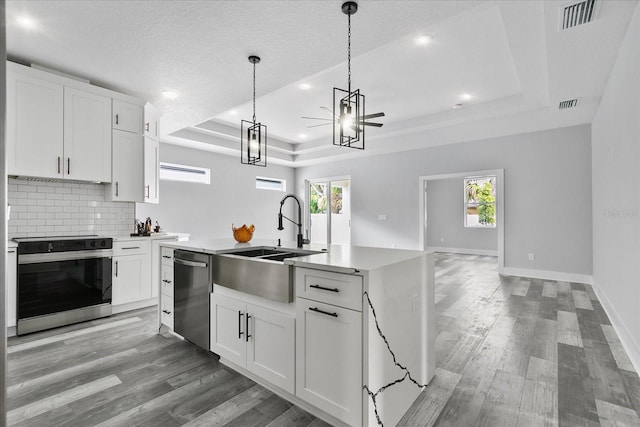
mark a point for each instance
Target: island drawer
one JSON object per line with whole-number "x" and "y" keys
{"x": 166, "y": 281}
{"x": 166, "y": 311}
{"x": 167, "y": 256}
{"x": 344, "y": 290}
{"x": 132, "y": 247}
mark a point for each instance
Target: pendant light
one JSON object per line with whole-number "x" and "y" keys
{"x": 253, "y": 135}
{"x": 349, "y": 118}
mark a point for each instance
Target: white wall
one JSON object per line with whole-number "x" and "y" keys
{"x": 445, "y": 220}
{"x": 616, "y": 193}
{"x": 547, "y": 198}
{"x": 208, "y": 211}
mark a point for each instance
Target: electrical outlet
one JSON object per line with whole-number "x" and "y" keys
{"x": 382, "y": 217}
{"x": 532, "y": 256}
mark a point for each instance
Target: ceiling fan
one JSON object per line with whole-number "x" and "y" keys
{"x": 363, "y": 120}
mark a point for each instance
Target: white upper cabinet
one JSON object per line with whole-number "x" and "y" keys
{"x": 151, "y": 170}
{"x": 151, "y": 122}
{"x": 126, "y": 116}
{"x": 126, "y": 184}
{"x": 87, "y": 136}
{"x": 34, "y": 126}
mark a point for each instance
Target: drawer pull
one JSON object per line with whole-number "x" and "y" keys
{"x": 317, "y": 310}
{"x": 166, "y": 256}
{"x": 166, "y": 281}
{"x": 166, "y": 311}
{"x": 325, "y": 289}
{"x": 131, "y": 247}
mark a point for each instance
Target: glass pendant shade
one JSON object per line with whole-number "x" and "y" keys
{"x": 348, "y": 110}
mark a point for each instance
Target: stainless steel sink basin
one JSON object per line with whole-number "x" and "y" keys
{"x": 258, "y": 271}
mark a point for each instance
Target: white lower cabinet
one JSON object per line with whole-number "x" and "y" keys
{"x": 329, "y": 359}
{"x": 258, "y": 339}
{"x": 131, "y": 281}
{"x": 166, "y": 286}
{"x": 12, "y": 280}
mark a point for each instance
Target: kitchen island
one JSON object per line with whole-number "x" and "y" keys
{"x": 356, "y": 344}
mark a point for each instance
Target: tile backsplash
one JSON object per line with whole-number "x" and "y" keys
{"x": 42, "y": 208}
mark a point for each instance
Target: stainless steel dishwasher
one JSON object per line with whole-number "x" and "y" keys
{"x": 192, "y": 286}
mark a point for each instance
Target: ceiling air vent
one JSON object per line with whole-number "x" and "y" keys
{"x": 569, "y": 103}
{"x": 578, "y": 13}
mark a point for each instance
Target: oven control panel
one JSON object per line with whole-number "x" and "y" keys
{"x": 64, "y": 245}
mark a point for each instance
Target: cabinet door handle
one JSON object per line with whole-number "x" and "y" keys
{"x": 117, "y": 119}
{"x": 325, "y": 289}
{"x": 246, "y": 327}
{"x": 166, "y": 256}
{"x": 240, "y": 325}
{"x": 58, "y": 164}
{"x": 116, "y": 268}
{"x": 317, "y": 310}
{"x": 166, "y": 281}
{"x": 166, "y": 311}
{"x": 68, "y": 165}
{"x": 116, "y": 188}
{"x": 146, "y": 125}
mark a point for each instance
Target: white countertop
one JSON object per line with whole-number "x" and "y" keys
{"x": 340, "y": 258}
{"x": 154, "y": 236}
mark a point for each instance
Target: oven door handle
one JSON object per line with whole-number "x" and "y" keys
{"x": 63, "y": 256}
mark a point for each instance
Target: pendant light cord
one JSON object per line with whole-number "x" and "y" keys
{"x": 349, "y": 52}
{"x": 254, "y": 93}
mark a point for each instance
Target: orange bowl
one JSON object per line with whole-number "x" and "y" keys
{"x": 243, "y": 234}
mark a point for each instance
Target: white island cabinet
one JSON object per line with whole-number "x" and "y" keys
{"x": 356, "y": 345}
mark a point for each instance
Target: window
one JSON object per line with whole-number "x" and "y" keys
{"x": 480, "y": 202}
{"x": 271, "y": 184}
{"x": 175, "y": 172}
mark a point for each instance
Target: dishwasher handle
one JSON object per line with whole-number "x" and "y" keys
{"x": 190, "y": 263}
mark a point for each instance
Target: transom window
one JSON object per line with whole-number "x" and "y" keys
{"x": 480, "y": 202}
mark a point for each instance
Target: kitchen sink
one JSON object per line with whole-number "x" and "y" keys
{"x": 258, "y": 271}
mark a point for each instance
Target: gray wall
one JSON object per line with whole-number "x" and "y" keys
{"x": 547, "y": 182}
{"x": 445, "y": 220}
{"x": 616, "y": 189}
{"x": 207, "y": 211}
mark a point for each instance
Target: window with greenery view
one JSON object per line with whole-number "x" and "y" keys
{"x": 318, "y": 199}
{"x": 480, "y": 201}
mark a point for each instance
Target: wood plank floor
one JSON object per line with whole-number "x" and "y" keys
{"x": 510, "y": 352}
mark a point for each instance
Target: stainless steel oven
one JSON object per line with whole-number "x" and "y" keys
{"x": 62, "y": 281}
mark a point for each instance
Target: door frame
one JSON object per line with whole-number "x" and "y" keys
{"x": 307, "y": 197}
{"x": 498, "y": 173}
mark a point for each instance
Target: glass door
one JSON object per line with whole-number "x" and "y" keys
{"x": 329, "y": 210}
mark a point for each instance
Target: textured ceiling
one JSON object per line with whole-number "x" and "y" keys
{"x": 508, "y": 54}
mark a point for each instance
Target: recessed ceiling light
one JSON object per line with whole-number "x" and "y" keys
{"x": 169, "y": 94}
{"x": 233, "y": 112}
{"x": 458, "y": 105}
{"x": 304, "y": 86}
{"x": 26, "y": 22}
{"x": 424, "y": 40}
{"x": 302, "y": 135}
{"x": 466, "y": 96}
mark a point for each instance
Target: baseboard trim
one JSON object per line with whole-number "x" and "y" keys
{"x": 134, "y": 305}
{"x": 464, "y": 251}
{"x": 626, "y": 338}
{"x": 547, "y": 275}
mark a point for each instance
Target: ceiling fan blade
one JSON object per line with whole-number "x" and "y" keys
{"x": 373, "y": 116}
{"x": 328, "y": 110}
{"x": 321, "y": 124}
{"x": 378, "y": 125}
{"x": 316, "y": 118}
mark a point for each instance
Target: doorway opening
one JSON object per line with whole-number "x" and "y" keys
{"x": 435, "y": 236}
{"x": 329, "y": 210}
